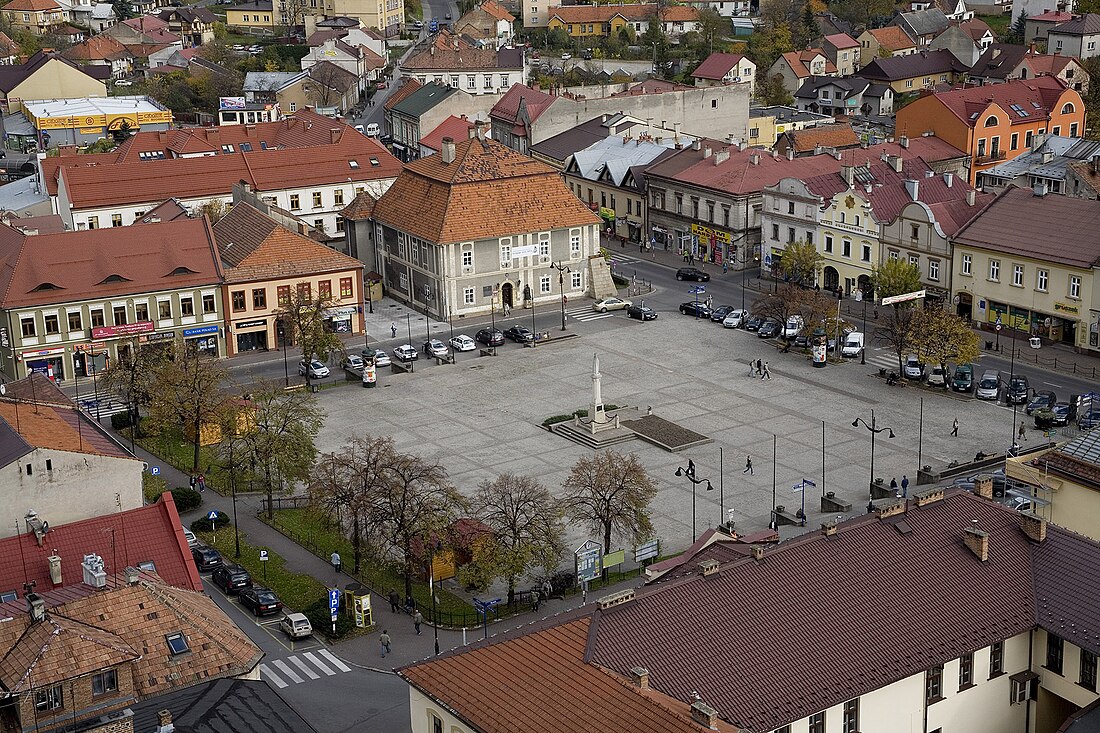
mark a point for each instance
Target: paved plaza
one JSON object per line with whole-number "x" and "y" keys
{"x": 483, "y": 416}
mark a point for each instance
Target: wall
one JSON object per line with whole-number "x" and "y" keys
{"x": 255, "y": 18}
{"x": 930, "y": 244}
{"x": 1063, "y": 685}
{"x": 79, "y": 486}
{"x": 79, "y": 703}
{"x": 55, "y": 80}
{"x": 421, "y": 709}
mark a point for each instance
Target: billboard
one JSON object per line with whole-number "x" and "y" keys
{"x": 231, "y": 103}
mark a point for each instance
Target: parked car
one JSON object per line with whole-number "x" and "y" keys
{"x": 231, "y": 578}
{"x": 692, "y": 308}
{"x": 793, "y": 327}
{"x": 1063, "y": 413}
{"x": 1040, "y": 401}
{"x": 519, "y": 334}
{"x": 418, "y": 24}
{"x": 406, "y": 352}
{"x": 489, "y": 337}
{"x": 381, "y": 358}
{"x": 352, "y": 361}
{"x": 641, "y": 312}
{"x": 462, "y": 342}
{"x": 192, "y": 540}
{"x": 587, "y": 55}
{"x": 206, "y": 558}
{"x": 373, "y": 129}
{"x": 853, "y": 345}
{"x": 719, "y": 314}
{"x": 989, "y": 386}
{"x": 1019, "y": 503}
{"x": 1018, "y": 390}
{"x": 754, "y": 323}
{"x": 260, "y": 600}
{"x": 963, "y": 380}
{"x": 1000, "y": 482}
{"x": 734, "y": 319}
{"x": 770, "y": 329}
{"x": 938, "y": 377}
{"x": 360, "y": 129}
{"x": 610, "y": 304}
{"x": 380, "y": 85}
{"x": 913, "y": 368}
{"x": 296, "y": 626}
{"x": 314, "y": 369}
{"x": 691, "y": 273}
{"x": 123, "y": 83}
{"x": 434, "y": 347}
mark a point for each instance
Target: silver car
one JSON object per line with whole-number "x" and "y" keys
{"x": 435, "y": 347}
{"x": 381, "y": 358}
{"x": 734, "y": 319}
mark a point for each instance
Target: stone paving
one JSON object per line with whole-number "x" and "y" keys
{"x": 482, "y": 417}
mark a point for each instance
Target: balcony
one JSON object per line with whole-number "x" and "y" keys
{"x": 991, "y": 157}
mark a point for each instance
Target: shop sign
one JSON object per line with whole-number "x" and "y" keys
{"x": 200, "y": 331}
{"x": 342, "y": 313}
{"x": 38, "y": 354}
{"x": 262, "y": 323}
{"x": 526, "y": 250}
{"x": 607, "y": 213}
{"x": 161, "y": 336}
{"x": 126, "y": 329}
{"x": 4, "y": 340}
{"x": 1069, "y": 308}
{"x": 710, "y": 234}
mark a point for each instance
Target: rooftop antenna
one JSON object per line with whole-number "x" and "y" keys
{"x": 27, "y": 582}
{"x": 34, "y": 397}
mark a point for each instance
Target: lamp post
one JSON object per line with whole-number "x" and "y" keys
{"x": 875, "y": 430}
{"x": 863, "y": 352}
{"x": 286, "y": 366}
{"x": 433, "y": 547}
{"x": 233, "y": 489}
{"x": 689, "y": 472}
{"x": 562, "y": 269}
{"x": 409, "y": 328}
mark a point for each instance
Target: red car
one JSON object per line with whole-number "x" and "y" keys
{"x": 381, "y": 85}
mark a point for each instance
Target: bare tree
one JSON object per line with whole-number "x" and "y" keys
{"x": 896, "y": 329}
{"x": 134, "y": 376}
{"x": 304, "y": 318}
{"x": 782, "y": 304}
{"x": 328, "y": 83}
{"x": 611, "y": 493}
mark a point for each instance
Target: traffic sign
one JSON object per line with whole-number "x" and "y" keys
{"x": 154, "y": 470}
{"x": 697, "y": 290}
{"x": 333, "y": 599}
{"x": 212, "y": 516}
{"x": 263, "y": 555}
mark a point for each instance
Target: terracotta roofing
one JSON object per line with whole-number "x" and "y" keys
{"x": 98, "y": 48}
{"x": 520, "y": 96}
{"x": 456, "y": 128}
{"x": 48, "y": 224}
{"x": 892, "y": 38}
{"x": 799, "y": 61}
{"x": 37, "y": 387}
{"x": 842, "y": 40}
{"x": 1052, "y": 16}
{"x": 519, "y": 686}
{"x": 32, "y": 5}
{"x": 1080, "y": 25}
{"x": 146, "y": 23}
{"x": 361, "y": 207}
{"x": 1036, "y": 97}
{"x": 840, "y": 135}
{"x": 496, "y": 10}
{"x": 107, "y": 262}
{"x": 152, "y": 533}
{"x": 446, "y": 50}
{"x": 746, "y": 172}
{"x": 925, "y": 63}
{"x": 57, "y": 426}
{"x": 976, "y": 28}
{"x": 717, "y": 65}
{"x": 406, "y": 85}
{"x": 1017, "y": 219}
{"x": 353, "y": 157}
{"x": 488, "y": 191}
{"x": 8, "y": 47}
{"x": 1086, "y": 175}
{"x": 170, "y": 210}
{"x": 254, "y": 247}
{"x": 1049, "y": 63}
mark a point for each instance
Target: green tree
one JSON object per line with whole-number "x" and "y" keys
{"x": 896, "y": 329}
{"x": 558, "y": 38}
{"x": 627, "y": 35}
{"x": 767, "y": 44}
{"x": 895, "y": 276}
{"x": 304, "y": 320}
{"x": 189, "y": 393}
{"x": 711, "y": 27}
{"x": 1018, "y": 32}
{"x": 124, "y": 9}
{"x": 611, "y": 492}
{"x": 938, "y": 335}
{"x": 802, "y": 263}
{"x": 771, "y": 90}
{"x": 134, "y": 376}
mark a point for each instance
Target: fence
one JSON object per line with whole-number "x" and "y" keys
{"x": 284, "y": 502}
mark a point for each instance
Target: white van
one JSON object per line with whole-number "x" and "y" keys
{"x": 853, "y": 344}
{"x": 373, "y": 130}
{"x": 793, "y": 327}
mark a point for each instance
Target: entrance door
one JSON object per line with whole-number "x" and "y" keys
{"x": 506, "y": 295}
{"x": 832, "y": 279}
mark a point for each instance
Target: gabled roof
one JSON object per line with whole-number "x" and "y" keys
{"x": 1023, "y": 100}
{"x": 717, "y": 65}
{"x": 892, "y": 37}
{"x": 799, "y": 61}
{"x": 255, "y": 247}
{"x": 423, "y": 99}
{"x": 188, "y": 15}
{"x": 852, "y": 85}
{"x": 842, "y": 40}
{"x": 98, "y": 48}
{"x": 489, "y": 190}
{"x": 496, "y": 10}
{"x": 976, "y": 28}
{"x": 13, "y": 76}
{"x": 922, "y": 22}
{"x": 152, "y": 533}
{"x": 561, "y": 146}
{"x": 446, "y": 50}
{"x": 925, "y": 63}
{"x": 456, "y": 128}
{"x": 170, "y": 210}
{"x": 837, "y": 136}
{"x": 1052, "y": 16}
{"x": 238, "y": 705}
{"x": 999, "y": 61}
{"x": 1080, "y": 25}
{"x": 1085, "y": 174}
{"x": 361, "y": 207}
{"x": 32, "y": 5}
{"x": 521, "y": 97}
{"x": 1049, "y": 63}
{"x": 332, "y": 76}
{"x": 1017, "y": 219}
{"x": 612, "y": 158}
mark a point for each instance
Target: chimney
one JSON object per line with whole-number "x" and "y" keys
{"x": 1094, "y": 165}
{"x": 754, "y": 159}
{"x": 983, "y": 486}
{"x": 708, "y": 567}
{"x": 904, "y": 141}
{"x": 818, "y": 150}
{"x": 930, "y": 496}
{"x": 848, "y": 173}
{"x": 790, "y": 154}
{"x": 913, "y": 188}
{"x": 721, "y": 157}
{"x": 303, "y": 228}
{"x": 977, "y": 542}
{"x": 1040, "y": 188}
{"x": 94, "y": 574}
{"x": 828, "y": 528}
{"x": 36, "y": 606}
{"x": 640, "y": 677}
{"x": 616, "y": 599}
{"x": 479, "y": 129}
{"x": 836, "y": 154}
{"x": 1048, "y": 155}
{"x": 448, "y": 151}
{"x": 706, "y": 152}
{"x": 758, "y": 552}
{"x": 971, "y": 197}
{"x": 164, "y": 722}
{"x": 742, "y": 146}
{"x": 948, "y": 179}
{"x": 132, "y": 574}
{"x": 55, "y": 569}
{"x": 250, "y": 130}
{"x": 1034, "y": 526}
{"x": 704, "y": 715}
{"x": 696, "y": 145}
{"x": 334, "y": 134}
{"x": 162, "y": 136}
{"x": 888, "y": 510}
{"x": 896, "y": 163}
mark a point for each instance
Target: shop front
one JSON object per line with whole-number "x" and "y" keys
{"x": 338, "y": 320}
{"x": 1060, "y": 326}
{"x": 710, "y": 244}
{"x": 251, "y": 335}
{"x": 629, "y": 229}
{"x": 48, "y": 362}
{"x": 203, "y": 339}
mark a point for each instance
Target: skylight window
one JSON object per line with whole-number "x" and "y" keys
{"x": 246, "y": 147}
{"x": 353, "y": 163}
{"x": 227, "y": 148}
{"x": 374, "y": 162}
{"x": 177, "y": 643}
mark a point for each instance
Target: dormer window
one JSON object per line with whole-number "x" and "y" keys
{"x": 45, "y": 286}
{"x": 182, "y": 271}
{"x": 116, "y": 278}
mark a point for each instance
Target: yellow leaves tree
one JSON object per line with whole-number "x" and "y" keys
{"x": 938, "y": 336}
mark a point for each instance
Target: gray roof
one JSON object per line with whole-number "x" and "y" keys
{"x": 618, "y": 157}
{"x": 878, "y": 90}
{"x": 1081, "y": 25}
{"x": 998, "y": 61}
{"x": 509, "y": 58}
{"x": 269, "y": 81}
{"x": 561, "y": 146}
{"x": 922, "y": 22}
{"x": 242, "y": 706}
{"x": 1032, "y": 161}
{"x": 788, "y": 114}
{"x": 103, "y": 11}
{"x": 925, "y": 63}
{"x": 21, "y": 195}
{"x": 423, "y": 99}
{"x": 12, "y": 445}
{"x": 852, "y": 85}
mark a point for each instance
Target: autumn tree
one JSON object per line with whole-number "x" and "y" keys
{"x": 303, "y": 316}
{"x": 611, "y": 492}
{"x": 938, "y": 335}
{"x": 771, "y": 90}
{"x": 802, "y": 263}
{"x": 771, "y": 39}
{"x": 133, "y": 376}
{"x": 527, "y": 527}
{"x": 785, "y": 302}
{"x": 895, "y": 276}
{"x": 711, "y": 27}
{"x": 214, "y": 210}
{"x": 189, "y": 393}
{"x": 896, "y": 328}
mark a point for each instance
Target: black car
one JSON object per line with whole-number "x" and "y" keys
{"x": 206, "y": 558}
{"x": 1063, "y": 413}
{"x": 490, "y": 337}
{"x": 691, "y": 308}
{"x": 260, "y": 601}
{"x": 641, "y": 312}
{"x": 691, "y": 273}
{"x": 231, "y": 578}
{"x": 719, "y": 314}
{"x": 1018, "y": 390}
{"x": 769, "y": 329}
{"x": 754, "y": 323}
{"x": 519, "y": 334}
{"x": 1040, "y": 401}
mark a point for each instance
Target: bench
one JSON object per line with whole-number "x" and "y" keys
{"x": 294, "y": 388}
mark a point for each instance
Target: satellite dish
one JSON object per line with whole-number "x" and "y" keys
{"x": 3, "y": 390}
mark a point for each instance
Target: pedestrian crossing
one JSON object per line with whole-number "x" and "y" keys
{"x": 623, "y": 259}
{"x": 299, "y": 668}
{"x": 585, "y": 313}
{"x": 103, "y": 408}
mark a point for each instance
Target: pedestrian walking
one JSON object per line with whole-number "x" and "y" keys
{"x": 194, "y": 481}
{"x": 955, "y": 428}
{"x": 335, "y": 559}
{"x": 384, "y": 640}
{"x": 418, "y": 618}
{"x": 202, "y": 478}
{"x": 759, "y": 367}
{"x": 393, "y": 330}
{"x": 547, "y": 588}
{"x": 752, "y": 367}
{"x": 767, "y": 372}
{"x": 725, "y": 268}
{"x": 535, "y": 599}
{"x": 1023, "y": 431}
{"x": 748, "y": 466}
{"x": 904, "y": 485}
{"x": 395, "y": 601}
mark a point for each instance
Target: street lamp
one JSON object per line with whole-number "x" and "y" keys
{"x": 863, "y": 351}
{"x": 875, "y": 430}
{"x": 689, "y": 472}
{"x": 281, "y": 331}
{"x": 562, "y": 269}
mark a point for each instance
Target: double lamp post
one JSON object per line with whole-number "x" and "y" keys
{"x": 875, "y": 430}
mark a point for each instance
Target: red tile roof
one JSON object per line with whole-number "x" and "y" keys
{"x": 107, "y": 262}
{"x": 717, "y": 65}
{"x": 1036, "y": 96}
{"x": 32, "y": 5}
{"x": 152, "y": 533}
{"x": 842, "y": 40}
{"x": 976, "y": 28}
{"x": 798, "y": 61}
{"x": 892, "y": 38}
{"x": 1049, "y": 63}
{"x": 839, "y": 135}
{"x": 497, "y": 11}
{"x": 533, "y": 100}
{"x": 1052, "y": 16}
{"x": 98, "y": 48}
{"x": 456, "y": 128}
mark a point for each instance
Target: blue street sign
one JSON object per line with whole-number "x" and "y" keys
{"x": 767, "y": 260}
{"x": 697, "y": 290}
{"x": 154, "y": 470}
{"x": 334, "y": 598}
{"x": 212, "y": 516}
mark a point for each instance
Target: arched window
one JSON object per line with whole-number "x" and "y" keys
{"x": 1067, "y": 108}
{"x": 991, "y": 121}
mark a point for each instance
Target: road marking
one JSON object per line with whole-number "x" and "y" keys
{"x": 332, "y": 658}
{"x": 285, "y": 668}
{"x": 271, "y": 676}
{"x": 302, "y": 666}
{"x": 320, "y": 665}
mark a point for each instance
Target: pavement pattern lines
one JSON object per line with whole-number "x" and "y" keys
{"x": 299, "y": 668}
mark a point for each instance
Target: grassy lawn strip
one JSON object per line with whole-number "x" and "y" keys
{"x": 316, "y": 534}
{"x": 179, "y": 453}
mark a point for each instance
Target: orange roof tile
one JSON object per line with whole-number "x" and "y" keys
{"x": 361, "y": 207}
{"x": 456, "y": 128}
{"x": 497, "y": 11}
{"x": 892, "y": 38}
{"x": 488, "y": 190}
{"x": 98, "y": 48}
{"x": 32, "y": 5}
{"x": 827, "y": 136}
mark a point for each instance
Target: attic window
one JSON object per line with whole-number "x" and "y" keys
{"x": 9, "y": 596}
{"x": 113, "y": 279}
{"x": 227, "y": 148}
{"x": 263, "y": 145}
{"x": 182, "y": 271}
{"x": 246, "y": 147}
{"x": 373, "y": 162}
{"x": 353, "y": 163}
{"x": 151, "y": 155}
{"x": 177, "y": 643}
{"x": 45, "y": 286}
{"x": 147, "y": 565}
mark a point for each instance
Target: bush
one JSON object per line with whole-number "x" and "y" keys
{"x": 321, "y": 619}
{"x": 203, "y": 525}
{"x": 120, "y": 420}
{"x": 188, "y": 500}
{"x": 153, "y": 486}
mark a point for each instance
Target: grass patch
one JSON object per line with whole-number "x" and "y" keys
{"x": 999, "y": 24}
{"x": 318, "y": 534}
{"x": 179, "y": 453}
{"x": 583, "y": 412}
{"x": 413, "y": 10}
